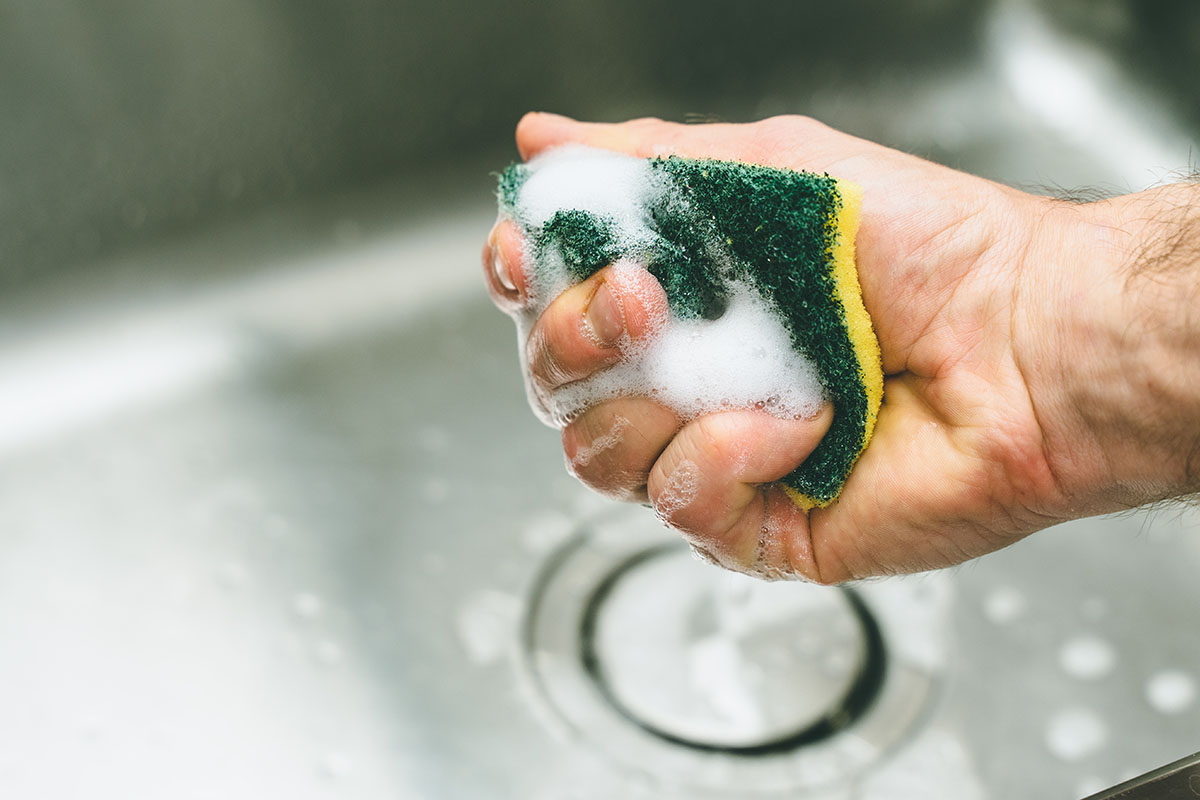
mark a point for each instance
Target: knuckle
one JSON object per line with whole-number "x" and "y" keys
{"x": 709, "y": 439}
{"x": 544, "y": 352}
{"x": 785, "y": 133}
{"x": 619, "y": 484}
{"x": 598, "y": 456}
{"x": 537, "y": 356}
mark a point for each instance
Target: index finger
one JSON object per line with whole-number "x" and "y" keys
{"x": 778, "y": 141}
{"x": 590, "y": 325}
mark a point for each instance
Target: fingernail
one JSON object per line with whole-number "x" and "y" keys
{"x": 604, "y": 317}
{"x": 500, "y": 268}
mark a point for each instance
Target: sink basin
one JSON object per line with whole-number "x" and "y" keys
{"x": 277, "y": 522}
{"x": 296, "y": 550}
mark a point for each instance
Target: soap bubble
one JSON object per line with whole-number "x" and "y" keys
{"x": 744, "y": 358}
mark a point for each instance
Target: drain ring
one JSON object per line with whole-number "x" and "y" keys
{"x": 862, "y": 691}
{"x": 885, "y": 707}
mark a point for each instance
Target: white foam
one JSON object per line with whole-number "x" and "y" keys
{"x": 600, "y": 444}
{"x": 744, "y": 359}
{"x": 679, "y": 490}
{"x": 610, "y": 185}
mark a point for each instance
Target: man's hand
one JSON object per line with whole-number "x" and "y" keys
{"x": 985, "y": 300}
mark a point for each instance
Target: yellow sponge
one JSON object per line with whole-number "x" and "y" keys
{"x": 788, "y": 233}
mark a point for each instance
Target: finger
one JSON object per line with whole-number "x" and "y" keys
{"x": 791, "y": 141}
{"x": 710, "y": 483}
{"x": 612, "y": 446}
{"x": 538, "y": 131}
{"x": 504, "y": 267}
{"x": 589, "y": 325}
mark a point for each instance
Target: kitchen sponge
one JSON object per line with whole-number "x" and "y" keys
{"x": 757, "y": 263}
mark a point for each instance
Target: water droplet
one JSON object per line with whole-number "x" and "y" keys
{"x": 1004, "y": 605}
{"x": 1087, "y": 657}
{"x": 1171, "y": 691}
{"x": 306, "y": 605}
{"x": 1075, "y": 733}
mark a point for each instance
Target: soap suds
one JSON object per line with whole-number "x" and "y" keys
{"x": 584, "y": 455}
{"x": 610, "y": 185}
{"x": 679, "y": 490}
{"x": 745, "y": 358}
{"x": 742, "y": 360}
{"x": 770, "y": 555}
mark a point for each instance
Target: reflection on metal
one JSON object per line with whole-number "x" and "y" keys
{"x": 273, "y": 505}
{"x": 54, "y": 382}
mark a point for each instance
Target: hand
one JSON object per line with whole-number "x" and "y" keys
{"x": 982, "y": 298}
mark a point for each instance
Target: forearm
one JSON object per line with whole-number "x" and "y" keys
{"x": 1115, "y": 370}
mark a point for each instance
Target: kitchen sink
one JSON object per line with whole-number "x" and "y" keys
{"x": 276, "y": 521}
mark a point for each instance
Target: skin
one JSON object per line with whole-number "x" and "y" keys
{"x": 1042, "y": 363}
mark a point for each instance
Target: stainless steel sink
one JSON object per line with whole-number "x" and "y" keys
{"x": 276, "y": 522}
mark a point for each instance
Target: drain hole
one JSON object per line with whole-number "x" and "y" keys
{"x": 717, "y": 662}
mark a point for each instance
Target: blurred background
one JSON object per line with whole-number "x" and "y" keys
{"x": 140, "y": 119}
{"x": 275, "y": 521}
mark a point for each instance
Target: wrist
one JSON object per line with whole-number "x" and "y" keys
{"x": 1111, "y": 345}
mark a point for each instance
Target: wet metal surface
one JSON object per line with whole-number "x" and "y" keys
{"x": 275, "y": 516}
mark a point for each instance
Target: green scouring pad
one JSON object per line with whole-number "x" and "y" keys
{"x": 704, "y": 228}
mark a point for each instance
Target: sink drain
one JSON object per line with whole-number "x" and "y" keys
{"x": 702, "y": 677}
{"x": 708, "y": 660}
